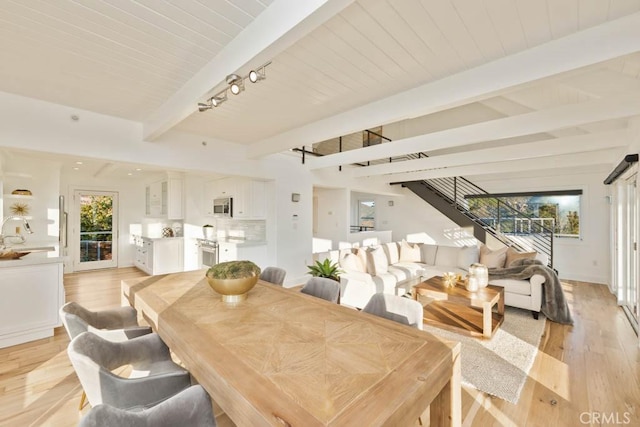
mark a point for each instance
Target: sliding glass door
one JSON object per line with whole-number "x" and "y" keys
{"x": 96, "y": 225}
{"x": 631, "y": 284}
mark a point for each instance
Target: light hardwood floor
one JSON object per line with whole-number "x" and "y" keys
{"x": 587, "y": 374}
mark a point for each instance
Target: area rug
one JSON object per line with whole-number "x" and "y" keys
{"x": 500, "y": 366}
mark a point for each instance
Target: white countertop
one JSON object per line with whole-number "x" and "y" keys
{"x": 161, "y": 238}
{"x": 242, "y": 243}
{"x": 35, "y": 258}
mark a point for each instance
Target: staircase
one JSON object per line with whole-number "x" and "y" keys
{"x": 468, "y": 205}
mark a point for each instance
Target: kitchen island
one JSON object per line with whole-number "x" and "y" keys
{"x": 32, "y": 293}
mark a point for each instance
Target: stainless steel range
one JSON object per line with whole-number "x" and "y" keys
{"x": 208, "y": 252}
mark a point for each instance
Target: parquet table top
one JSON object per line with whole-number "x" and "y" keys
{"x": 285, "y": 358}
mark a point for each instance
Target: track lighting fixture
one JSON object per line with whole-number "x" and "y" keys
{"x": 204, "y": 106}
{"x": 235, "y": 85}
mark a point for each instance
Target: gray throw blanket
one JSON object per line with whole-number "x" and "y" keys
{"x": 554, "y": 303}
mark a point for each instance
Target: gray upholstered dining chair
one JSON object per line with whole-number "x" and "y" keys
{"x": 273, "y": 275}
{"x": 118, "y": 324}
{"x": 399, "y": 309}
{"x": 322, "y": 287}
{"x": 190, "y": 407}
{"x": 154, "y": 376}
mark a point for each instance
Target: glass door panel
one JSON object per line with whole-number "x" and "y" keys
{"x": 96, "y": 224}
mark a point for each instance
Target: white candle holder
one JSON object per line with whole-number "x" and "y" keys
{"x": 481, "y": 274}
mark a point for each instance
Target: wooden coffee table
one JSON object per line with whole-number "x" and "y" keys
{"x": 459, "y": 310}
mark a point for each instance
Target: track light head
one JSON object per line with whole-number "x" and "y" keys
{"x": 256, "y": 75}
{"x": 218, "y": 99}
{"x": 236, "y": 83}
{"x": 203, "y": 107}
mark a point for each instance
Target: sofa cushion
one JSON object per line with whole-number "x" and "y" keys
{"x": 350, "y": 262}
{"x": 385, "y": 283}
{"x": 391, "y": 249}
{"x": 513, "y": 255}
{"x": 428, "y": 253}
{"x": 493, "y": 259}
{"x": 447, "y": 255}
{"x": 467, "y": 256}
{"x": 409, "y": 252}
{"x": 377, "y": 262}
{"x": 407, "y": 270}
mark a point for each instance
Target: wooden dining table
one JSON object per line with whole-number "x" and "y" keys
{"x": 283, "y": 358}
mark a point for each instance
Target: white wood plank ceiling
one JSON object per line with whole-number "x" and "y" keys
{"x": 367, "y": 64}
{"x": 117, "y": 57}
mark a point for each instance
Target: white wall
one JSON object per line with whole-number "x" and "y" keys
{"x": 332, "y": 220}
{"x": 293, "y": 221}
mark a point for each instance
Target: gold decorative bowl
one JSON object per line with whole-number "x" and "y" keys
{"x": 233, "y": 290}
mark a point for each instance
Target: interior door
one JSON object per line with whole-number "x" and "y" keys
{"x": 95, "y": 229}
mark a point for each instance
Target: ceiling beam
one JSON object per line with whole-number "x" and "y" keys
{"x": 530, "y": 150}
{"x": 278, "y": 27}
{"x": 606, "y": 41}
{"x": 564, "y": 116}
{"x": 565, "y": 161}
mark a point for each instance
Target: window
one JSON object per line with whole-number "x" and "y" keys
{"x": 524, "y": 213}
{"x": 366, "y": 215}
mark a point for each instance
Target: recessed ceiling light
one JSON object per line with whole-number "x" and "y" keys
{"x": 76, "y": 169}
{"x": 78, "y": 163}
{"x": 129, "y": 174}
{"x": 138, "y": 169}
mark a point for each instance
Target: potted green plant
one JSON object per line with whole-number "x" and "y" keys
{"x": 325, "y": 268}
{"x": 233, "y": 279}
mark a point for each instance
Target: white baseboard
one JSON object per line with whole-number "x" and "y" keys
{"x": 599, "y": 280}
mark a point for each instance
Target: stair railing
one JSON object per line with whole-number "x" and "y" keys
{"x": 496, "y": 215}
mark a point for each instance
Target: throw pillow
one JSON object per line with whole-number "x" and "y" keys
{"x": 377, "y": 261}
{"x": 361, "y": 253}
{"x": 351, "y": 262}
{"x": 391, "y": 249}
{"x": 447, "y": 256}
{"x": 513, "y": 255}
{"x": 409, "y": 252}
{"x": 493, "y": 259}
{"x": 467, "y": 256}
{"x": 428, "y": 253}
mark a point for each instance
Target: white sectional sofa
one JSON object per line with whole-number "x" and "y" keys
{"x": 394, "y": 267}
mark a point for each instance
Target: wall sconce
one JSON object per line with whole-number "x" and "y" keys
{"x": 295, "y": 197}
{"x": 235, "y": 85}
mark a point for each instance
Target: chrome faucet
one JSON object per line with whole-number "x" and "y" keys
{"x": 17, "y": 218}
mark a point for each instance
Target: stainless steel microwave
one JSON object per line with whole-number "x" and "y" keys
{"x": 223, "y": 207}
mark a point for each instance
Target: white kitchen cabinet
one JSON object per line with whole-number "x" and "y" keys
{"x": 164, "y": 199}
{"x": 160, "y": 256}
{"x": 191, "y": 253}
{"x": 229, "y": 251}
{"x": 249, "y": 199}
{"x": 32, "y": 294}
